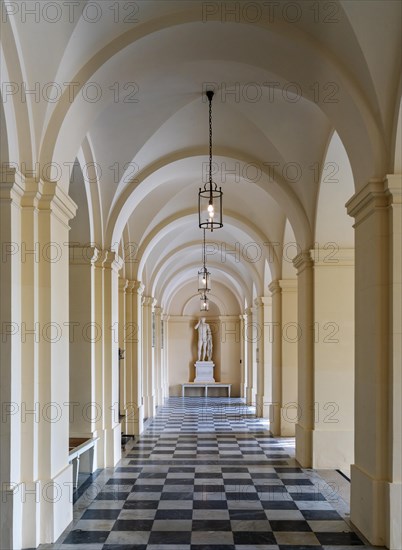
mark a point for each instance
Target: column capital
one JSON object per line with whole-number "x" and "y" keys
{"x": 148, "y": 301}
{"x": 158, "y": 311}
{"x": 258, "y": 302}
{"x": 375, "y": 195}
{"x": 138, "y": 287}
{"x": 123, "y": 284}
{"x": 303, "y": 261}
{"x": 12, "y": 185}
{"x": 108, "y": 259}
{"x": 32, "y": 193}
{"x": 112, "y": 261}
{"x": 275, "y": 287}
{"x": 248, "y": 311}
{"x": 135, "y": 287}
{"x": 101, "y": 258}
{"x": 53, "y": 198}
{"x": 83, "y": 255}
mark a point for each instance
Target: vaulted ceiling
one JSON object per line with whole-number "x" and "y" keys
{"x": 305, "y": 112}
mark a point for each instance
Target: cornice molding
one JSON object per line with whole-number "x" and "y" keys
{"x": 303, "y": 261}
{"x": 374, "y": 196}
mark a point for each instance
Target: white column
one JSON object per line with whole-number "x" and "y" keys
{"x": 258, "y": 321}
{"x": 147, "y": 357}
{"x": 305, "y": 425}
{"x": 12, "y": 189}
{"x": 249, "y": 337}
{"x": 263, "y": 307}
{"x": 99, "y": 317}
{"x": 54, "y": 470}
{"x": 29, "y": 361}
{"x": 124, "y": 318}
{"x": 165, "y": 344}
{"x": 333, "y": 436}
{"x": 133, "y": 406}
{"x": 243, "y": 355}
{"x": 376, "y": 493}
{"x": 112, "y": 429}
{"x": 157, "y": 350}
{"x": 229, "y": 336}
{"x": 289, "y": 341}
{"x": 106, "y": 352}
{"x": 276, "y": 346}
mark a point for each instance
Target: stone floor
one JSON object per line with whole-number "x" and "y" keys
{"x": 207, "y": 475}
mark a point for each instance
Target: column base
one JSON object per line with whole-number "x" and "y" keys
{"x": 304, "y": 440}
{"x": 274, "y": 419}
{"x": 56, "y": 502}
{"x": 149, "y": 406}
{"x": 134, "y": 421}
{"x": 159, "y": 397}
{"x": 36, "y": 512}
{"x": 249, "y": 397}
{"x": 30, "y": 515}
{"x": 393, "y": 494}
{"x": 288, "y": 422}
{"x": 333, "y": 449}
{"x": 11, "y": 517}
{"x": 265, "y": 409}
{"x": 368, "y": 506}
{"x": 112, "y": 442}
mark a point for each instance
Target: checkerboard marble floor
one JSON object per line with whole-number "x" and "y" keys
{"x": 207, "y": 475}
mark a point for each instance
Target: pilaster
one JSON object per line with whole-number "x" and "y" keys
{"x": 148, "y": 303}
{"x": 243, "y": 355}
{"x": 263, "y": 316}
{"x": 157, "y": 350}
{"x": 289, "y": 343}
{"x": 249, "y": 345}
{"x": 112, "y": 263}
{"x": 276, "y": 334}
{"x": 12, "y": 189}
{"x": 304, "y": 428}
{"x": 333, "y": 435}
{"x": 376, "y": 494}
{"x": 134, "y": 410}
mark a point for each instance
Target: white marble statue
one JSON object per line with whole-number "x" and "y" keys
{"x": 204, "y": 340}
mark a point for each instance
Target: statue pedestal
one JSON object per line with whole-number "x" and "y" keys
{"x": 204, "y": 371}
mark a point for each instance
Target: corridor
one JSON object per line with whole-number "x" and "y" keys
{"x": 207, "y": 474}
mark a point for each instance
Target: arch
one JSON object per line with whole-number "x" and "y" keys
{"x": 214, "y": 298}
{"x": 354, "y": 105}
{"x": 233, "y": 277}
{"x": 182, "y": 275}
{"x": 171, "y": 259}
{"x": 80, "y": 225}
{"x": 179, "y": 220}
{"x": 4, "y": 147}
{"x": 21, "y": 132}
{"x": 336, "y": 187}
{"x": 135, "y": 192}
{"x": 88, "y": 165}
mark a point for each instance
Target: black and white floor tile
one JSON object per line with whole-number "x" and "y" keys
{"x": 207, "y": 475}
